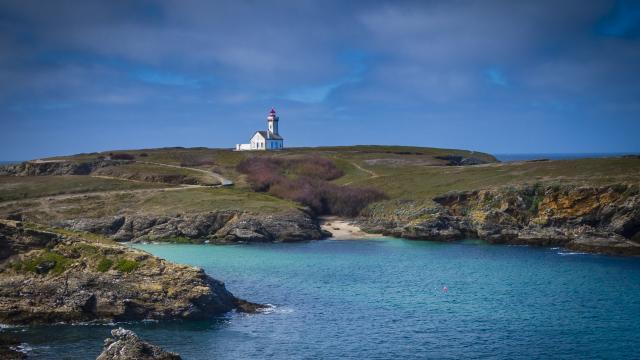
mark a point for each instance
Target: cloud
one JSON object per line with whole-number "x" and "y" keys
{"x": 623, "y": 21}
{"x": 416, "y": 62}
{"x": 165, "y": 78}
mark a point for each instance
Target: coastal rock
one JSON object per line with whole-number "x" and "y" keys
{"x": 49, "y": 278}
{"x": 602, "y": 219}
{"x": 457, "y": 160}
{"x": 219, "y": 227}
{"x": 11, "y": 347}
{"x": 55, "y": 167}
{"x": 125, "y": 345}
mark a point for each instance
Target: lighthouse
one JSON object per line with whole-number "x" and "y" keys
{"x": 272, "y": 122}
{"x": 265, "y": 140}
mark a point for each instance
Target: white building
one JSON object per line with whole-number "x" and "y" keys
{"x": 265, "y": 140}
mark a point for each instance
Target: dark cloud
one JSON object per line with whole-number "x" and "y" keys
{"x": 353, "y": 65}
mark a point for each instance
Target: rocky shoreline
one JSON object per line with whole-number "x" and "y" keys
{"x": 48, "y": 277}
{"x": 221, "y": 227}
{"x": 590, "y": 219}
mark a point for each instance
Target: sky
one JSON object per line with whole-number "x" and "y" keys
{"x": 496, "y": 76}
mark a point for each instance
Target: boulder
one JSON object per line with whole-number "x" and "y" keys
{"x": 126, "y": 345}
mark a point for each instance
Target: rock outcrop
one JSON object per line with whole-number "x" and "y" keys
{"x": 216, "y": 227}
{"x": 593, "y": 219}
{"x": 46, "y": 277}
{"x": 53, "y": 167}
{"x": 10, "y": 347}
{"x": 125, "y": 345}
{"x": 457, "y": 160}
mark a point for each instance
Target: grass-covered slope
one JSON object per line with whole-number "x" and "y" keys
{"x": 143, "y": 185}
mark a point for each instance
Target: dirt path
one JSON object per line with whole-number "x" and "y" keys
{"x": 223, "y": 181}
{"x": 103, "y": 193}
{"x": 344, "y": 229}
{"x": 372, "y": 174}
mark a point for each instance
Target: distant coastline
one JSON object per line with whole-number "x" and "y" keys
{"x": 505, "y": 157}
{"x": 557, "y": 156}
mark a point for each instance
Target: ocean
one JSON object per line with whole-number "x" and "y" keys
{"x": 556, "y": 156}
{"x": 393, "y": 299}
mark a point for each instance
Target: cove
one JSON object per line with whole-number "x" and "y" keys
{"x": 384, "y": 298}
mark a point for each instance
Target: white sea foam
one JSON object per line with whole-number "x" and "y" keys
{"x": 23, "y": 348}
{"x": 273, "y": 309}
{"x": 563, "y": 253}
{"x": 9, "y": 326}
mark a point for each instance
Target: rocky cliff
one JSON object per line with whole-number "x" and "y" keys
{"x": 45, "y": 168}
{"x": 225, "y": 226}
{"x": 49, "y": 277}
{"x": 602, "y": 219}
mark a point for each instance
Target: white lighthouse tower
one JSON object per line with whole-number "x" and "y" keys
{"x": 272, "y": 122}
{"x": 265, "y": 140}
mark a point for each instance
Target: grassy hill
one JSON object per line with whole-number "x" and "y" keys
{"x": 413, "y": 174}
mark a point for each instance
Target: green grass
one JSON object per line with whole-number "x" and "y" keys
{"x": 27, "y": 187}
{"x": 61, "y": 262}
{"x": 86, "y": 236}
{"x": 126, "y": 265}
{"x": 182, "y": 201}
{"x": 202, "y": 200}
{"x": 104, "y": 265}
{"x": 406, "y": 174}
{"x": 421, "y": 184}
{"x": 157, "y": 173}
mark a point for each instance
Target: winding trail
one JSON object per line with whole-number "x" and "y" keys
{"x": 223, "y": 181}
{"x": 47, "y": 198}
{"x": 372, "y": 174}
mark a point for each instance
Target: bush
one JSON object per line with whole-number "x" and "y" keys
{"x": 126, "y": 265}
{"x": 122, "y": 156}
{"x": 306, "y": 180}
{"x": 143, "y": 155}
{"x": 46, "y": 262}
{"x": 104, "y": 265}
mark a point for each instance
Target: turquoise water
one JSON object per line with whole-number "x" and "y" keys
{"x": 384, "y": 299}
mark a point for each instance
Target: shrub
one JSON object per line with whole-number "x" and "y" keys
{"x": 122, "y": 156}
{"x": 126, "y": 265}
{"x": 47, "y": 261}
{"x": 143, "y": 155}
{"x": 104, "y": 265}
{"x": 306, "y": 180}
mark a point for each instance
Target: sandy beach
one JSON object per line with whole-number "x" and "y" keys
{"x": 343, "y": 229}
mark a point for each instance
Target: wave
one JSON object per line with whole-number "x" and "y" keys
{"x": 23, "y": 348}
{"x": 563, "y": 253}
{"x": 273, "y": 309}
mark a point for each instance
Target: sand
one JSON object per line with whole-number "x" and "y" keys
{"x": 343, "y": 229}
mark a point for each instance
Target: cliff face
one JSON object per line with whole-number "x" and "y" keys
{"x": 223, "y": 226}
{"x": 45, "y": 168}
{"x": 46, "y": 277}
{"x": 595, "y": 219}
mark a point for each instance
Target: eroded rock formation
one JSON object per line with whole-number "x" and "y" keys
{"x": 217, "y": 227}
{"x": 595, "y": 219}
{"x": 46, "y": 277}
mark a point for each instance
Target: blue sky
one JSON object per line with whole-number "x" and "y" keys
{"x": 495, "y": 76}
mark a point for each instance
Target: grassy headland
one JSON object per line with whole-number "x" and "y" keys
{"x": 406, "y": 175}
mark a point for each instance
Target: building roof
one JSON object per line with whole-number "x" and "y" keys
{"x": 272, "y": 137}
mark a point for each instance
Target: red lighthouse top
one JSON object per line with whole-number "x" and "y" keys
{"x": 273, "y": 111}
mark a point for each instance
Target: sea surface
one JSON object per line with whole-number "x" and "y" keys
{"x": 556, "y": 156}
{"x": 393, "y": 299}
